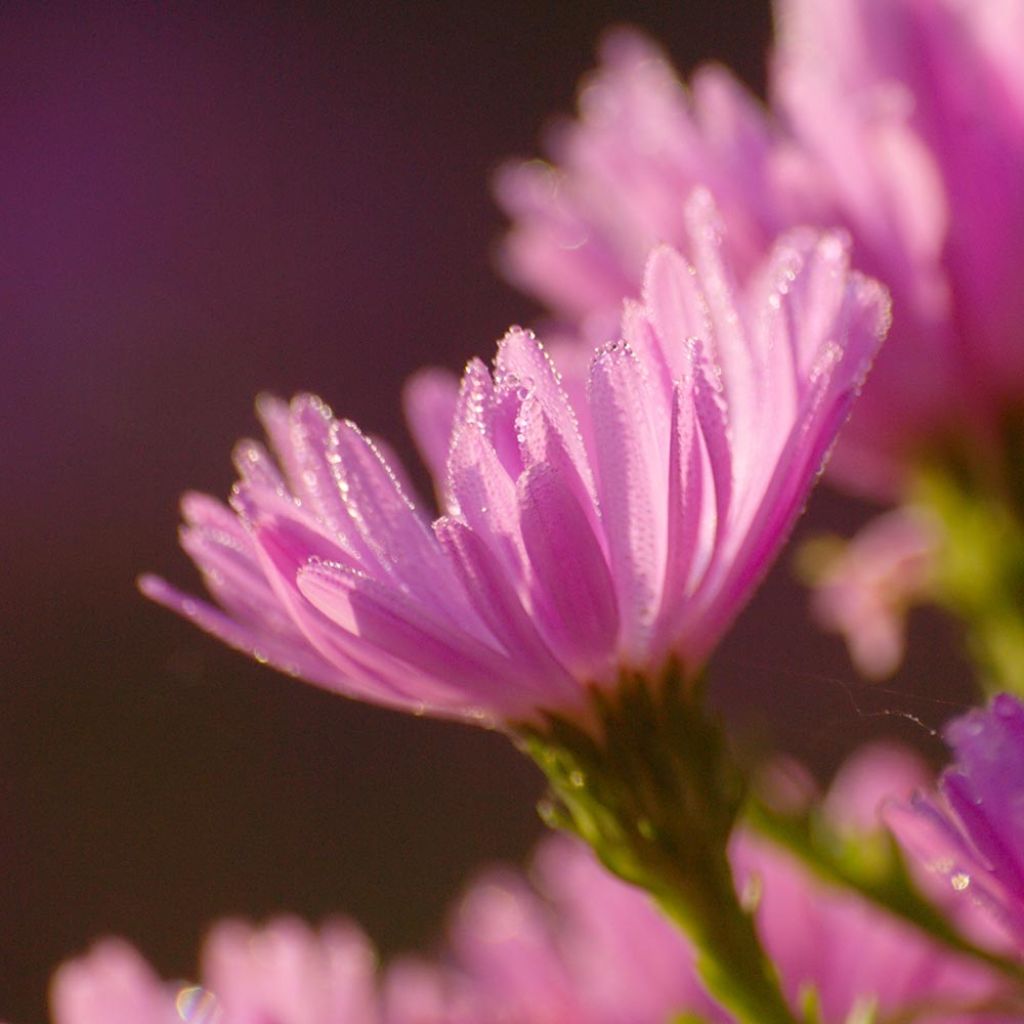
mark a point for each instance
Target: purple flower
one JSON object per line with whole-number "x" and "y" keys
{"x": 584, "y": 224}
{"x": 577, "y": 946}
{"x": 283, "y": 972}
{"x": 902, "y": 121}
{"x": 853, "y": 955}
{"x": 570, "y": 944}
{"x": 112, "y": 985}
{"x": 972, "y": 832}
{"x": 600, "y": 523}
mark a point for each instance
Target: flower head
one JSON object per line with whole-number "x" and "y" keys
{"x": 582, "y": 226}
{"x": 578, "y": 538}
{"x": 972, "y": 832}
{"x": 902, "y": 122}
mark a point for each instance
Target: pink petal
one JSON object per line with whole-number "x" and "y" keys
{"x": 573, "y": 591}
{"x": 502, "y": 609}
{"x": 632, "y": 479}
{"x": 383, "y": 619}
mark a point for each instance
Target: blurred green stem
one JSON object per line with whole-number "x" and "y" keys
{"x": 979, "y": 571}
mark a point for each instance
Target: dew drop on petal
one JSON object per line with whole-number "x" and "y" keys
{"x": 753, "y": 890}
{"x": 960, "y": 881}
{"x": 196, "y": 1005}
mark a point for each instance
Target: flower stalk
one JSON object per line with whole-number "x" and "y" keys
{"x": 655, "y": 792}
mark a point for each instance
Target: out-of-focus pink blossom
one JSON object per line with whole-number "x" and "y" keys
{"x": 620, "y": 174}
{"x": 580, "y": 535}
{"x": 901, "y": 120}
{"x": 914, "y": 113}
{"x": 571, "y": 945}
{"x": 864, "y": 589}
{"x": 972, "y": 832}
{"x": 855, "y": 956}
{"x": 112, "y": 985}
{"x": 577, "y": 945}
{"x": 287, "y": 973}
{"x": 284, "y": 972}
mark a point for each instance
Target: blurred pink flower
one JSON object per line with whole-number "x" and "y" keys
{"x": 864, "y": 588}
{"x": 620, "y": 174}
{"x": 855, "y": 956}
{"x": 577, "y": 946}
{"x": 573, "y": 945}
{"x": 579, "y": 536}
{"x": 901, "y": 120}
{"x": 972, "y": 832}
{"x": 283, "y": 973}
{"x": 111, "y": 985}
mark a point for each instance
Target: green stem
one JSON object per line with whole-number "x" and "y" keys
{"x": 656, "y": 797}
{"x": 730, "y": 960}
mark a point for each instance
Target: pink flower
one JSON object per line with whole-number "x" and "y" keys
{"x": 864, "y": 589}
{"x": 853, "y": 955}
{"x": 914, "y": 114}
{"x": 576, "y": 945}
{"x": 579, "y": 536}
{"x": 902, "y": 121}
{"x": 571, "y": 944}
{"x": 112, "y": 985}
{"x": 580, "y": 946}
{"x": 972, "y": 832}
{"x": 584, "y": 224}
{"x": 287, "y": 973}
{"x": 284, "y": 973}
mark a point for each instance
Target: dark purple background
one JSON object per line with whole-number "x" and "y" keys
{"x": 197, "y": 204}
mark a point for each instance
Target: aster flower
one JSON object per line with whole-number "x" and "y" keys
{"x": 852, "y": 958}
{"x": 971, "y": 832}
{"x": 915, "y": 116}
{"x": 576, "y": 945}
{"x": 568, "y": 942}
{"x": 900, "y": 121}
{"x": 591, "y": 552}
{"x": 584, "y": 223}
{"x": 112, "y": 985}
{"x": 578, "y": 538}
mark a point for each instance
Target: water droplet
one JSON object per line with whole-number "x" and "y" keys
{"x": 195, "y": 1005}
{"x": 577, "y": 779}
{"x": 547, "y": 812}
{"x": 753, "y": 890}
{"x": 960, "y": 881}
